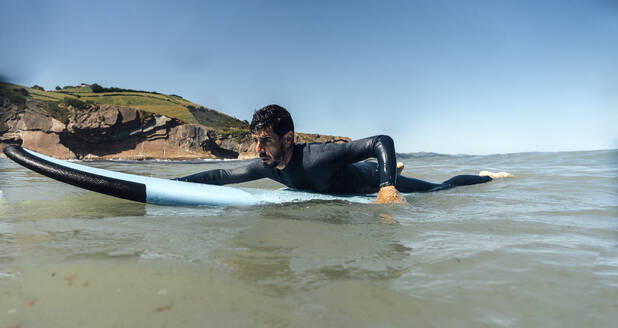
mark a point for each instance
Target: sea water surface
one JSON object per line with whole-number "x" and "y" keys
{"x": 538, "y": 250}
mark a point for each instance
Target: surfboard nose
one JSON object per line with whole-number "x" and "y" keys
{"x": 72, "y": 174}
{"x": 9, "y": 148}
{"x": 12, "y": 151}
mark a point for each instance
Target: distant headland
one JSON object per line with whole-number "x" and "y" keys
{"x": 88, "y": 121}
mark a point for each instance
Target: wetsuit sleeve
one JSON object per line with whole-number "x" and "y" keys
{"x": 253, "y": 171}
{"x": 380, "y": 147}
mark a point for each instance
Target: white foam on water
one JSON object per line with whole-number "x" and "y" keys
{"x": 148, "y": 254}
{"x": 8, "y": 275}
{"x": 287, "y": 195}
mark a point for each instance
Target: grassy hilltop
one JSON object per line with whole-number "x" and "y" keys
{"x": 83, "y": 96}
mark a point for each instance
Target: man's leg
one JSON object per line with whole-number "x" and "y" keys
{"x": 406, "y": 184}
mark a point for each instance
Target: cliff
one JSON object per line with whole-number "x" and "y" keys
{"x": 71, "y": 128}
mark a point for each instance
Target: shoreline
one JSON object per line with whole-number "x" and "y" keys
{"x": 124, "y": 156}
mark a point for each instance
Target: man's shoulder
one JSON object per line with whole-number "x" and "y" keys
{"x": 317, "y": 154}
{"x": 313, "y": 147}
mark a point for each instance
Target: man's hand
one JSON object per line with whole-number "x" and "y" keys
{"x": 389, "y": 195}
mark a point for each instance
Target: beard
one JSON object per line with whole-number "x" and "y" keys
{"x": 272, "y": 161}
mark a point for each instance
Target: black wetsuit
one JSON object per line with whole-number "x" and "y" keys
{"x": 335, "y": 168}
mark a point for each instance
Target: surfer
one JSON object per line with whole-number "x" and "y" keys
{"x": 331, "y": 168}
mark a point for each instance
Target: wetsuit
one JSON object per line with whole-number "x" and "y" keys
{"x": 335, "y": 168}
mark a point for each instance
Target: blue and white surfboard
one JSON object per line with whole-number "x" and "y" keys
{"x": 155, "y": 190}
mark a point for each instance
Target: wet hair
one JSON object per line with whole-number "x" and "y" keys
{"x": 272, "y": 116}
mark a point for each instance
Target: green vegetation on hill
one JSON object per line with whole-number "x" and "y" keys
{"x": 15, "y": 94}
{"x": 71, "y": 90}
{"x": 214, "y": 119}
{"x": 151, "y": 102}
{"x": 99, "y": 89}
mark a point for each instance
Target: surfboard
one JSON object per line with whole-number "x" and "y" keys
{"x": 156, "y": 190}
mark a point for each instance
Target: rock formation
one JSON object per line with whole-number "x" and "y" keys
{"x": 110, "y": 132}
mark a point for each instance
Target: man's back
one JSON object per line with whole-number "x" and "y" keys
{"x": 327, "y": 168}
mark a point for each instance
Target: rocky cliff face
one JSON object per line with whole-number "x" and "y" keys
{"x": 109, "y": 132}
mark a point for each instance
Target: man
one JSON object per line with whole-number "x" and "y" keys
{"x": 331, "y": 168}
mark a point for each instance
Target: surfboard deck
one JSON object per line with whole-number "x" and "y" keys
{"x": 156, "y": 190}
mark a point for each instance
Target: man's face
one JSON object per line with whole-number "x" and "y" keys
{"x": 269, "y": 147}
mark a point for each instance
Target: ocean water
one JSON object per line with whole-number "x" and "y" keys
{"x": 538, "y": 250}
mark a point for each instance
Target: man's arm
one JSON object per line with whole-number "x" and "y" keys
{"x": 253, "y": 171}
{"x": 380, "y": 147}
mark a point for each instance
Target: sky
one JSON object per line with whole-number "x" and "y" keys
{"x": 456, "y": 77}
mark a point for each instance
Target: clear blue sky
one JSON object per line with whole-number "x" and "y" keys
{"x": 472, "y": 77}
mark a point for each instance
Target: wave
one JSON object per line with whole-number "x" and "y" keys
{"x": 586, "y": 154}
{"x": 422, "y": 154}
